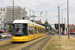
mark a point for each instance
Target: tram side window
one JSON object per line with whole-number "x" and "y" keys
{"x": 38, "y": 30}
{"x": 42, "y": 30}
{"x": 25, "y": 29}
{"x": 30, "y": 30}
{"x": 35, "y": 30}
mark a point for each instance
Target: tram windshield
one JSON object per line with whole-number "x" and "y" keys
{"x": 19, "y": 29}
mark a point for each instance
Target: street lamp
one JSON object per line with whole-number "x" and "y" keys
{"x": 62, "y": 20}
{"x": 62, "y": 15}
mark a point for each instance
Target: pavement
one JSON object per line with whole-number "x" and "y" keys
{"x": 2, "y": 39}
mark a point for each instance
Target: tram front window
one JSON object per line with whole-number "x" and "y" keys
{"x": 19, "y": 29}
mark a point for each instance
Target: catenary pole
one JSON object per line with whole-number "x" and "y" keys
{"x": 59, "y": 18}
{"x": 68, "y": 16}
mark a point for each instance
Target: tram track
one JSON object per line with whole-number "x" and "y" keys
{"x": 9, "y": 45}
{"x": 25, "y": 48}
{"x": 12, "y": 45}
{"x": 44, "y": 44}
{"x": 5, "y": 45}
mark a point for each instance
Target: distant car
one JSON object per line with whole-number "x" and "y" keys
{"x": 9, "y": 35}
{"x": 3, "y": 35}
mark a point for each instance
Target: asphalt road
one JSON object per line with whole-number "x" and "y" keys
{"x": 2, "y": 39}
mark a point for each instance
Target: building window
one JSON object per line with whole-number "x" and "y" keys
{"x": 1, "y": 21}
{"x": 4, "y": 19}
{"x": 0, "y": 12}
{"x": 4, "y": 16}
{"x": 4, "y": 13}
{"x": 1, "y": 9}
{"x": 1, "y": 16}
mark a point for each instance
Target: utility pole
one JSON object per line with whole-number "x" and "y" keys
{"x": 33, "y": 15}
{"x": 30, "y": 13}
{"x": 59, "y": 18}
{"x": 13, "y": 10}
{"x": 62, "y": 21}
{"x": 62, "y": 15}
{"x": 65, "y": 25}
{"x": 68, "y": 16}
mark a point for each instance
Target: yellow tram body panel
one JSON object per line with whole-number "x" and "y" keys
{"x": 30, "y": 36}
{"x": 19, "y": 38}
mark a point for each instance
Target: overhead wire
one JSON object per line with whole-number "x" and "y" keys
{"x": 42, "y": 5}
{"x": 38, "y": 4}
{"x": 23, "y": 4}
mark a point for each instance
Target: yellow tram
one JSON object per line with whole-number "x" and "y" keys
{"x": 25, "y": 30}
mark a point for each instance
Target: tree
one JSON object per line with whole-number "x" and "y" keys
{"x": 47, "y": 25}
{"x": 10, "y": 28}
{"x": 39, "y": 23}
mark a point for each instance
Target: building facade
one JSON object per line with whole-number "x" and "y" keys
{"x": 19, "y": 13}
{"x": 71, "y": 26}
{"x": 2, "y": 17}
{"x": 6, "y": 15}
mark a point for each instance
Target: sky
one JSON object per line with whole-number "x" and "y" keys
{"x": 49, "y": 6}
